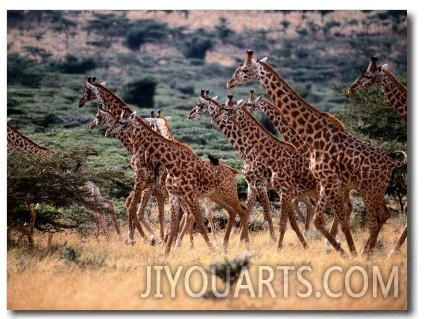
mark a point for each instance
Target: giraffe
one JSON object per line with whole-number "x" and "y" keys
{"x": 338, "y": 159}
{"x": 17, "y": 140}
{"x": 290, "y": 136}
{"x": 142, "y": 166}
{"x": 380, "y": 77}
{"x": 191, "y": 177}
{"x": 255, "y": 171}
{"x": 395, "y": 92}
{"x": 214, "y": 181}
{"x": 156, "y": 177}
{"x": 161, "y": 125}
{"x": 291, "y": 177}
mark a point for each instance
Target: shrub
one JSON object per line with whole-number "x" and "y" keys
{"x": 140, "y": 92}
{"x": 71, "y": 64}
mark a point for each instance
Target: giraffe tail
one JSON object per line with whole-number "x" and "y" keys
{"x": 398, "y": 164}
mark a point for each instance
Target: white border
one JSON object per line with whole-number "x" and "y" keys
{"x": 415, "y": 27}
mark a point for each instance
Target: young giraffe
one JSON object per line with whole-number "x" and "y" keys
{"x": 156, "y": 176}
{"x": 397, "y": 95}
{"x": 256, "y": 173}
{"x": 17, "y": 140}
{"x": 379, "y": 76}
{"x": 291, "y": 177}
{"x": 160, "y": 124}
{"x": 202, "y": 178}
{"x": 191, "y": 177}
{"x": 290, "y": 136}
{"x": 338, "y": 160}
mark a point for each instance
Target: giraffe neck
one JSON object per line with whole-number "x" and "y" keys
{"x": 110, "y": 101}
{"x": 269, "y": 147}
{"x": 306, "y": 120}
{"x": 395, "y": 92}
{"x": 16, "y": 139}
{"x": 283, "y": 126}
{"x": 121, "y": 134}
{"x": 231, "y": 132}
{"x": 163, "y": 127}
{"x": 171, "y": 154}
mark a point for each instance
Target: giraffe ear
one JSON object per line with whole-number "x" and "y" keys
{"x": 385, "y": 66}
{"x": 103, "y": 84}
{"x": 264, "y": 59}
{"x": 133, "y": 115}
{"x": 215, "y": 98}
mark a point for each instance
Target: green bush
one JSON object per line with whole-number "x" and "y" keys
{"x": 140, "y": 92}
{"x": 71, "y": 64}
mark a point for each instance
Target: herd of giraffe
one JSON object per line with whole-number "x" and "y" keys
{"x": 317, "y": 162}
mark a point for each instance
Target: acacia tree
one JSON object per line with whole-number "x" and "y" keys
{"x": 369, "y": 116}
{"x": 48, "y": 181}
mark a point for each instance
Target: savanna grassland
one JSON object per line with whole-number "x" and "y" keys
{"x": 111, "y": 275}
{"x": 319, "y": 53}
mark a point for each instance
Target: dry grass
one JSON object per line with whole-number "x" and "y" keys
{"x": 112, "y": 275}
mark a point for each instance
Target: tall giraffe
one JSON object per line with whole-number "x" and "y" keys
{"x": 189, "y": 174}
{"x": 255, "y": 171}
{"x": 397, "y": 95}
{"x": 191, "y": 177}
{"x": 156, "y": 179}
{"x": 338, "y": 160}
{"x": 291, "y": 136}
{"x": 380, "y": 77}
{"x": 17, "y": 140}
{"x": 291, "y": 177}
{"x": 142, "y": 166}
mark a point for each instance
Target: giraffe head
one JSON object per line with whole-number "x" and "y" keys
{"x": 202, "y": 106}
{"x": 246, "y": 71}
{"x": 102, "y": 117}
{"x": 120, "y": 123}
{"x": 369, "y": 77}
{"x": 89, "y": 93}
{"x": 237, "y": 109}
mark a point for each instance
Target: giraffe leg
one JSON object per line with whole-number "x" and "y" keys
{"x": 295, "y": 227}
{"x": 335, "y": 224}
{"x": 284, "y": 214}
{"x": 108, "y": 205}
{"x": 173, "y": 227}
{"x": 319, "y": 220}
{"x": 399, "y": 242}
{"x": 193, "y": 206}
{"x": 131, "y": 205}
{"x": 145, "y": 196}
{"x": 299, "y": 213}
{"x": 266, "y": 205}
{"x": 161, "y": 214}
{"x": 207, "y": 203}
{"x": 309, "y": 213}
{"x": 187, "y": 222}
{"x": 376, "y": 218}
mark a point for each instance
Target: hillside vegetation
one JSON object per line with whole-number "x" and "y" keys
{"x": 175, "y": 54}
